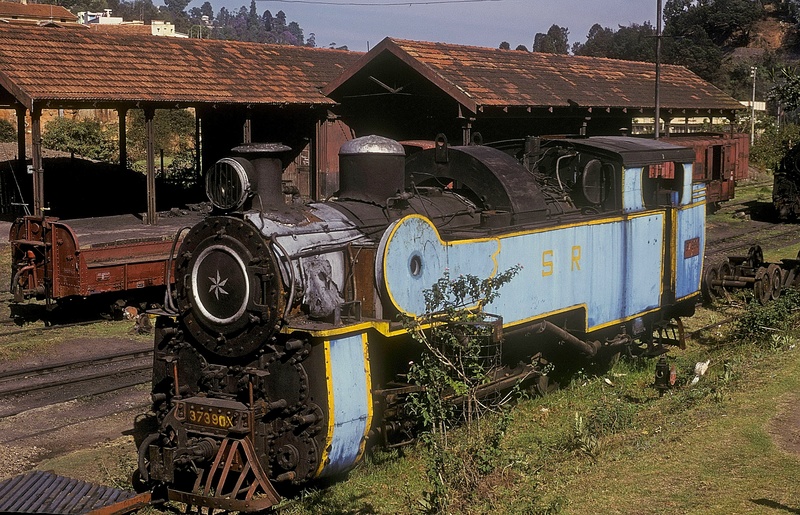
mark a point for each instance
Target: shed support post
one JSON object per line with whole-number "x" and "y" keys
{"x": 22, "y": 159}
{"x": 152, "y": 216}
{"x": 466, "y": 132}
{"x": 123, "y": 137}
{"x": 247, "y": 129}
{"x": 36, "y": 154}
{"x": 318, "y": 158}
{"x": 198, "y": 149}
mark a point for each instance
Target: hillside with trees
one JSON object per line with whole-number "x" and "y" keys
{"x": 243, "y": 24}
{"x": 722, "y": 41}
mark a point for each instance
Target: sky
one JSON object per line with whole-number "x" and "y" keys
{"x": 467, "y": 22}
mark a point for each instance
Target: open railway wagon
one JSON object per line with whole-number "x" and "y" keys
{"x": 57, "y": 260}
{"x": 767, "y": 280}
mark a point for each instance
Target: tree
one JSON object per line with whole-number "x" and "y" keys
{"x": 599, "y": 42}
{"x": 522, "y": 48}
{"x": 175, "y": 10}
{"x": 87, "y": 138}
{"x": 295, "y": 34}
{"x": 723, "y": 22}
{"x": 141, "y": 10}
{"x": 8, "y": 132}
{"x": 505, "y": 46}
{"x": 266, "y": 20}
{"x": 174, "y": 132}
{"x": 556, "y": 41}
{"x": 633, "y": 43}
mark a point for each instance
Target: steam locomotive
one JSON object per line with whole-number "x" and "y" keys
{"x": 280, "y": 355}
{"x": 786, "y": 185}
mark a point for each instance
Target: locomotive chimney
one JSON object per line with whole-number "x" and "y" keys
{"x": 371, "y": 168}
{"x": 267, "y": 171}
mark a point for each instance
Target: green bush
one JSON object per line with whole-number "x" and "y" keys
{"x": 87, "y": 138}
{"x": 773, "y": 144}
{"x": 760, "y": 323}
{"x": 7, "y": 132}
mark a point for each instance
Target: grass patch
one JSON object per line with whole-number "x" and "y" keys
{"x": 612, "y": 444}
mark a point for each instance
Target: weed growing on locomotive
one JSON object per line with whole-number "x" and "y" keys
{"x": 284, "y": 355}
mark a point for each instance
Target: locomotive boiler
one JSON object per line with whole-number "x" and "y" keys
{"x": 281, "y": 355}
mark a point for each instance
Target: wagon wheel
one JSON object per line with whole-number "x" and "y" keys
{"x": 755, "y": 257}
{"x": 725, "y": 269}
{"x": 709, "y": 291}
{"x": 762, "y": 287}
{"x": 776, "y": 279}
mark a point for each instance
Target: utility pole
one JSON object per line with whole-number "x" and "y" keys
{"x": 657, "y": 128}
{"x": 753, "y": 107}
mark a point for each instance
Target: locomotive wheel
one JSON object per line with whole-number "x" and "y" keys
{"x": 762, "y": 287}
{"x": 776, "y": 280}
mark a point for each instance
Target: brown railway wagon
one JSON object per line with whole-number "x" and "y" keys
{"x": 56, "y": 259}
{"x": 721, "y": 159}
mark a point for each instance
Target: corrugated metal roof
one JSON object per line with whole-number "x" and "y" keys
{"x": 479, "y": 77}
{"x": 45, "y": 492}
{"x": 62, "y": 64}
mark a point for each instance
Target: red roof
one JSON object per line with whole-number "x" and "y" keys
{"x": 12, "y": 10}
{"x": 478, "y": 77}
{"x": 138, "y": 29}
{"x": 42, "y": 65}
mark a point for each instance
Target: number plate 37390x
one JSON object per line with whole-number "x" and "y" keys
{"x": 217, "y": 414}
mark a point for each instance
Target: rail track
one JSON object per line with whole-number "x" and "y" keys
{"x": 35, "y": 387}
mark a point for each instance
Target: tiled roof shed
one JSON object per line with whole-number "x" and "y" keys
{"x": 42, "y": 12}
{"x": 61, "y": 67}
{"x": 229, "y": 83}
{"x": 487, "y": 82}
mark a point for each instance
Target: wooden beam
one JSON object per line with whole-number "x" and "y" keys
{"x": 22, "y": 160}
{"x": 36, "y": 154}
{"x": 152, "y": 215}
{"x": 123, "y": 137}
{"x": 247, "y": 136}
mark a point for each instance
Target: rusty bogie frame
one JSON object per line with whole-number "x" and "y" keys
{"x": 751, "y": 272}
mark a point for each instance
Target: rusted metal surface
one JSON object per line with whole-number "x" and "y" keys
{"x": 767, "y": 280}
{"x": 720, "y": 161}
{"x": 235, "y": 481}
{"x": 45, "y": 492}
{"x": 88, "y": 256}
